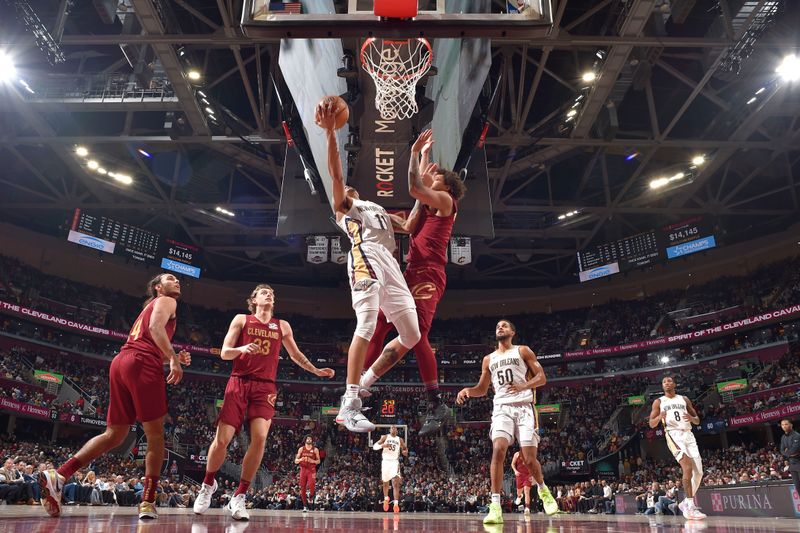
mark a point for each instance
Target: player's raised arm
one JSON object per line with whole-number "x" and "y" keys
{"x": 656, "y": 416}
{"x": 229, "y": 349}
{"x": 298, "y": 357}
{"x": 481, "y": 388}
{"x": 691, "y": 415}
{"x": 538, "y": 378}
{"x": 417, "y": 188}
{"x": 325, "y": 117}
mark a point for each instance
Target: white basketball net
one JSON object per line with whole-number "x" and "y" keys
{"x": 396, "y": 67}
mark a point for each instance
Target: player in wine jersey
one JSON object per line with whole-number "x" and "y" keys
{"x": 392, "y": 445}
{"x": 677, "y": 414}
{"x": 376, "y": 282}
{"x": 429, "y": 225}
{"x": 136, "y": 394}
{"x": 515, "y": 374}
{"x": 522, "y": 476}
{"x": 308, "y": 459}
{"x": 254, "y": 343}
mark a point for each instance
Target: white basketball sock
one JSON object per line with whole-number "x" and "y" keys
{"x": 368, "y": 378}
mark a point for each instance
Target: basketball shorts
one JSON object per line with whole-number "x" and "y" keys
{"x": 515, "y": 422}
{"x": 308, "y": 479}
{"x": 246, "y": 399}
{"x": 376, "y": 282}
{"x": 523, "y": 481}
{"x": 390, "y": 470}
{"x": 137, "y": 389}
{"x": 681, "y": 442}
{"x": 427, "y": 286}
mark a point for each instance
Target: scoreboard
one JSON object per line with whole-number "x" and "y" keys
{"x": 676, "y": 240}
{"x": 114, "y": 237}
{"x": 635, "y": 251}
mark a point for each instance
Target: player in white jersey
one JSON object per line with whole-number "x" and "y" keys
{"x": 515, "y": 374}
{"x": 391, "y": 444}
{"x": 676, "y": 413}
{"x": 376, "y": 282}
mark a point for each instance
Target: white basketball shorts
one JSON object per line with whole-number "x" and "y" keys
{"x": 374, "y": 262}
{"x": 389, "y": 470}
{"x": 515, "y": 422}
{"x": 681, "y": 442}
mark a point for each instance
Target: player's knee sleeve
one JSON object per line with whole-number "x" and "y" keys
{"x": 366, "y": 319}
{"x": 408, "y": 329}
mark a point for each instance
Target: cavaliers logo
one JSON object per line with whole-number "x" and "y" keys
{"x": 423, "y": 291}
{"x": 271, "y": 399}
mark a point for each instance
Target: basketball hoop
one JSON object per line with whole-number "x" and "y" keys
{"x": 396, "y": 66}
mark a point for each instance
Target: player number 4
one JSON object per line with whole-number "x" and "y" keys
{"x": 136, "y": 330}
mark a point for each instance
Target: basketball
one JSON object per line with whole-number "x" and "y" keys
{"x": 340, "y": 106}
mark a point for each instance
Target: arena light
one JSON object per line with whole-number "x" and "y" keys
{"x": 789, "y": 69}
{"x": 193, "y": 75}
{"x": 761, "y": 90}
{"x": 658, "y": 183}
{"x": 589, "y": 76}
{"x": 698, "y": 160}
{"x": 82, "y": 151}
{"x": 631, "y": 156}
{"x": 201, "y": 93}
{"x": 224, "y": 211}
{"x": 664, "y": 359}
{"x": 572, "y": 113}
{"x": 122, "y": 178}
{"x": 753, "y": 99}
{"x": 103, "y": 171}
{"x": 144, "y": 153}
{"x": 209, "y": 111}
{"x": 94, "y": 165}
{"x": 8, "y": 71}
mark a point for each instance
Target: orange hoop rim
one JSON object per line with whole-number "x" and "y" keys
{"x": 423, "y": 67}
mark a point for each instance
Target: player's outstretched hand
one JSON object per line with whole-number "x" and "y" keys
{"x": 462, "y": 396}
{"x": 423, "y": 142}
{"x": 175, "y": 372}
{"x": 325, "y": 115}
{"x": 325, "y": 372}
{"x": 185, "y": 358}
{"x": 248, "y": 349}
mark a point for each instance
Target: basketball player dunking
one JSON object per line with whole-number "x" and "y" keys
{"x": 376, "y": 282}
{"x": 136, "y": 393}
{"x": 430, "y": 225}
{"x": 515, "y": 374}
{"x": 392, "y": 445}
{"x": 523, "y": 480}
{"x": 308, "y": 459}
{"x": 254, "y": 343}
{"x": 676, "y": 413}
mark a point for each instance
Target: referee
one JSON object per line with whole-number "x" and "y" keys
{"x": 790, "y": 449}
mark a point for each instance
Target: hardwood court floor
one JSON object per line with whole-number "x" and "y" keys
{"x": 31, "y": 519}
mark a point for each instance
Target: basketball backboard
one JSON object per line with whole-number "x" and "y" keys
{"x": 510, "y": 20}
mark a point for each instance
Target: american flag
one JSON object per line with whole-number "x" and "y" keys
{"x": 293, "y": 8}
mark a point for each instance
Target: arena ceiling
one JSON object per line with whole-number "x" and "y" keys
{"x": 682, "y": 78}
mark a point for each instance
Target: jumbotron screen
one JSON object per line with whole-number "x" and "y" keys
{"x": 669, "y": 242}
{"x": 108, "y": 235}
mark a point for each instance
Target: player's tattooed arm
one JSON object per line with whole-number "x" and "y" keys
{"x": 299, "y": 357}
{"x": 656, "y": 416}
{"x": 481, "y": 388}
{"x": 409, "y": 224}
